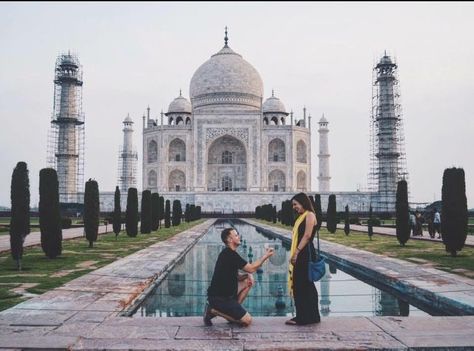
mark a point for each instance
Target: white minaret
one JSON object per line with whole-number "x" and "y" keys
{"x": 127, "y": 159}
{"x": 324, "y": 178}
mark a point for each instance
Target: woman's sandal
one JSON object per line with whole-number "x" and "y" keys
{"x": 291, "y": 321}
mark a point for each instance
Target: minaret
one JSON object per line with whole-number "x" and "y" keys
{"x": 127, "y": 159}
{"x": 66, "y": 138}
{"x": 324, "y": 178}
{"x": 387, "y": 140}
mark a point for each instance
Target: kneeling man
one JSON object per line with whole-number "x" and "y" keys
{"x": 228, "y": 288}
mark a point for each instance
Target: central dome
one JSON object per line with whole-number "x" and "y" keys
{"x": 226, "y": 79}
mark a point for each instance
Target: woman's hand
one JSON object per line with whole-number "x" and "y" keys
{"x": 293, "y": 258}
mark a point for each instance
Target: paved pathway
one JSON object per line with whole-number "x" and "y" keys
{"x": 392, "y": 231}
{"x": 84, "y": 314}
{"x": 34, "y": 238}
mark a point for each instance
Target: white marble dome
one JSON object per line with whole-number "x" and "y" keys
{"x": 179, "y": 105}
{"x": 226, "y": 78}
{"x": 273, "y": 105}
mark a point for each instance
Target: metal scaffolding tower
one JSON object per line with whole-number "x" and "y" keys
{"x": 66, "y": 135}
{"x": 128, "y": 157}
{"x": 387, "y": 141}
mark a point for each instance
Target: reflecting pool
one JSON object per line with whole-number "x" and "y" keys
{"x": 183, "y": 291}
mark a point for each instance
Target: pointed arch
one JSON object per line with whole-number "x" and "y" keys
{"x": 152, "y": 151}
{"x": 177, "y": 150}
{"x": 276, "y": 150}
{"x": 301, "y": 152}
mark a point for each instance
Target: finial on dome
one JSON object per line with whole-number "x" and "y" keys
{"x": 273, "y": 93}
{"x": 179, "y": 92}
{"x": 226, "y": 39}
{"x": 385, "y": 52}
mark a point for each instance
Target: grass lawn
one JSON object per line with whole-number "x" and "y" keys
{"x": 434, "y": 252}
{"x": 40, "y": 274}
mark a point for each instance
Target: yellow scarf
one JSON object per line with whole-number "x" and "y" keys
{"x": 294, "y": 244}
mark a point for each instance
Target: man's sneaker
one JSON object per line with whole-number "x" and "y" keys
{"x": 208, "y": 315}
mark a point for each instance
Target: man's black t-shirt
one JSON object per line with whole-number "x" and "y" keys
{"x": 224, "y": 280}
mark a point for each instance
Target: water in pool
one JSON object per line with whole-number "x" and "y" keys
{"x": 183, "y": 291}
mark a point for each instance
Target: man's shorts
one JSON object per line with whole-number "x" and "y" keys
{"x": 228, "y": 306}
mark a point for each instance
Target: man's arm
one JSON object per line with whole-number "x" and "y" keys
{"x": 252, "y": 267}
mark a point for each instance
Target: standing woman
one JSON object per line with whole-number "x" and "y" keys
{"x": 301, "y": 288}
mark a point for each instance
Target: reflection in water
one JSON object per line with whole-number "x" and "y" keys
{"x": 184, "y": 291}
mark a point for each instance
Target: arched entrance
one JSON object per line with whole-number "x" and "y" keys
{"x": 227, "y": 165}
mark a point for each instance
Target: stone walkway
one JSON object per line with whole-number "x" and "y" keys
{"x": 392, "y": 231}
{"x": 34, "y": 238}
{"x": 85, "y": 315}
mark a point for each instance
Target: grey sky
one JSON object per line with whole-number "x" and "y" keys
{"x": 318, "y": 55}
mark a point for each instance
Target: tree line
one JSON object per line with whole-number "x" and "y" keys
{"x": 154, "y": 211}
{"x": 454, "y": 213}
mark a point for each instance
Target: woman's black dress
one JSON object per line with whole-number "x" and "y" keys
{"x": 304, "y": 291}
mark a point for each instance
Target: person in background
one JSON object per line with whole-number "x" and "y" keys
{"x": 437, "y": 224}
{"x": 413, "y": 224}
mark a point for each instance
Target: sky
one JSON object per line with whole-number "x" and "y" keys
{"x": 314, "y": 54}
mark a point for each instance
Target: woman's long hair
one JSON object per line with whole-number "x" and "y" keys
{"x": 304, "y": 200}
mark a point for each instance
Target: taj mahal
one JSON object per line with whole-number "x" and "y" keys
{"x": 228, "y": 148}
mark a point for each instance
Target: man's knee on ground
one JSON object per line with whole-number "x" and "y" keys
{"x": 246, "y": 320}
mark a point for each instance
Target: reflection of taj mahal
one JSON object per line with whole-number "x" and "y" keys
{"x": 227, "y": 140}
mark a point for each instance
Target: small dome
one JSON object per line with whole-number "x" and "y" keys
{"x": 69, "y": 60}
{"x": 273, "y": 104}
{"x": 180, "y": 105}
{"x": 386, "y": 60}
{"x": 128, "y": 119}
{"x": 323, "y": 120}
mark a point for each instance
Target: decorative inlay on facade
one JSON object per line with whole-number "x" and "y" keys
{"x": 227, "y": 98}
{"x": 240, "y": 133}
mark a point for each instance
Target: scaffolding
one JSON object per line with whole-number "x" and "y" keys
{"x": 128, "y": 157}
{"x": 66, "y": 133}
{"x": 387, "y": 163}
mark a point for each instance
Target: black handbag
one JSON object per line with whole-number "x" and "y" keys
{"x": 316, "y": 268}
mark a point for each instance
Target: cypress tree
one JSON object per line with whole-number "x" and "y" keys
{"x": 331, "y": 224}
{"x": 161, "y": 210}
{"x": 117, "y": 216}
{"x": 347, "y": 227}
{"x": 131, "y": 214}
{"x": 370, "y": 228}
{"x": 198, "y": 212}
{"x": 402, "y": 213}
{"x": 274, "y": 214}
{"x": 454, "y": 210}
{"x": 167, "y": 214}
{"x": 145, "y": 223}
{"x": 192, "y": 212}
{"x": 177, "y": 212}
{"x": 20, "y": 212}
{"x": 91, "y": 211}
{"x": 49, "y": 213}
{"x": 318, "y": 211}
{"x": 155, "y": 203}
{"x": 187, "y": 212}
